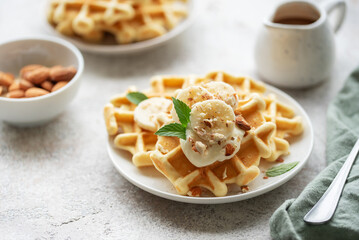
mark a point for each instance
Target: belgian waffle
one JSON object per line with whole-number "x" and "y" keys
{"x": 125, "y": 132}
{"x": 127, "y": 20}
{"x": 271, "y": 124}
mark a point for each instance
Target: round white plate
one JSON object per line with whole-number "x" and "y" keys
{"x": 122, "y": 49}
{"x": 152, "y": 181}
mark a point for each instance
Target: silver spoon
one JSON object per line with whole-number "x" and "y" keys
{"x": 324, "y": 209}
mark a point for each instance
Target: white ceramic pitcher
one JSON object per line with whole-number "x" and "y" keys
{"x": 295, "y": 46}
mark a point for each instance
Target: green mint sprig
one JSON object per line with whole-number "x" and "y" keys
{"x": 172, "y": 130}
{"x": 182, "y": 110}
{"x": 281, "y": 169}
{"x": 136, "y": 97}
{"x": 176, "y": 129}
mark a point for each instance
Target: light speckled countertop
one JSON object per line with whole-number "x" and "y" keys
{"x": 57, "y": 182}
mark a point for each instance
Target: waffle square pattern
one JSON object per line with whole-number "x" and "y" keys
{"x": 233, "y": 126}
{"x": 127, "y": 21}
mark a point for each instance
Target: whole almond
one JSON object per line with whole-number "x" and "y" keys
{"x": 28, "y": 68}
{"x": 38, "y": 75}
{"x": 59, "y": 73}
{"x": 24, "y": 84}
{"x": 14, "y": 86}
{"x": 47, "y": 85}
{"x": 35, "y": 92}
{"x": 58, "y": 86}
{"x": 16, "y": 94}
{"x": 6, "y": 79}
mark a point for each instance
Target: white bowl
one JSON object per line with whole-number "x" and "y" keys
{"x": 131, "y": 48}
{"x": 46, "y": 51}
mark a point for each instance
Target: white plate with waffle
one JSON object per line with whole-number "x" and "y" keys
{"x": 152, "y": 181}
{"x": 109, "y": 46}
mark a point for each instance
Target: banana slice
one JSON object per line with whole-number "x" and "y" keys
{"x": 190, "y": 96}
{"x": 151, "y": 113}
{"x": 224, "y": 92}
{"x": 212, "y": 134}
{"x": 212, "y": 120}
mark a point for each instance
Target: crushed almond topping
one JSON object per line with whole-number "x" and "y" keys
{"x": 200, "y": 131}
{"x": 229, "y": 149}
{"x": 201, "y": 147}
{"x": 219, "y": 137}
{"x": 265, "y": 177}
{"x": 195, "y": 192}
{"x": 242, "y": 123}
{"x": 194, "y": 149}
{"x": 279, "y": 159}
{"x": 244, "y": 189}
{"x": 190, "y": 99}
{"x": 208, "y": 123}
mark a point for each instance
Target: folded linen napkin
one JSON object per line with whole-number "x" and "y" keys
{"x": 342, "y": 133}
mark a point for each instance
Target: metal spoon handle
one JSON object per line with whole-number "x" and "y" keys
{"x": 324, "y": 209}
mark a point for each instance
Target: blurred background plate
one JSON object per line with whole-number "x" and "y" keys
{"x": 123, "y": 49}
{"x": 152, "y": 181}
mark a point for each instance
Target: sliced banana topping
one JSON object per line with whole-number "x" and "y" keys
{"x": 212, "y": 134}
{"x": 224, "y": 92}
{"x": 190, "y": 96}
{"x": 212, "y": 120}
{"x": 152, "y": 113}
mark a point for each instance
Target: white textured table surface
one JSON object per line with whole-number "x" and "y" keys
{"x": 57, "y": 182}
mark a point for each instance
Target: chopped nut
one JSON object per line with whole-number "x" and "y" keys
{"x": 265, "y": 177}
{"x": 244, "y": 189}
{"x": 194, "y": 149}
{"x": 200, "y": 147}
{"x": 200, "y": 131}
{"x": 242, "y": 123}
{"x": 229, "y": 149}
{"x": 280, "y": 160}
{"x": 208, "y": 123}
{"x": 218, "y": 137}
{"x": 195, "y": 192}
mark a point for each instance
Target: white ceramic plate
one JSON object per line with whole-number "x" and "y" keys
{"x": 152, "y": 181}
{"x": 117, "y": 49}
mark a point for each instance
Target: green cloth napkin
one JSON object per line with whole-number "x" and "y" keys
{"x": 342, "y": 133}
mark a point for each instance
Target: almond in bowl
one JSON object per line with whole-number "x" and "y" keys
{"x": 39, "y": 77}
{"x": 35, "y": 80}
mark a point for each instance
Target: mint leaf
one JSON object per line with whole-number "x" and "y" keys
{"x": 176, "y": 129}
{"x": 182, "y": 110}
{"x": 172, "y": 130}
{"x": 279, "y": 170}
{"x": 136, "y": 97}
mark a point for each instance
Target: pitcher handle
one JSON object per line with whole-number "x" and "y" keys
{"x": 332, "y": 5}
